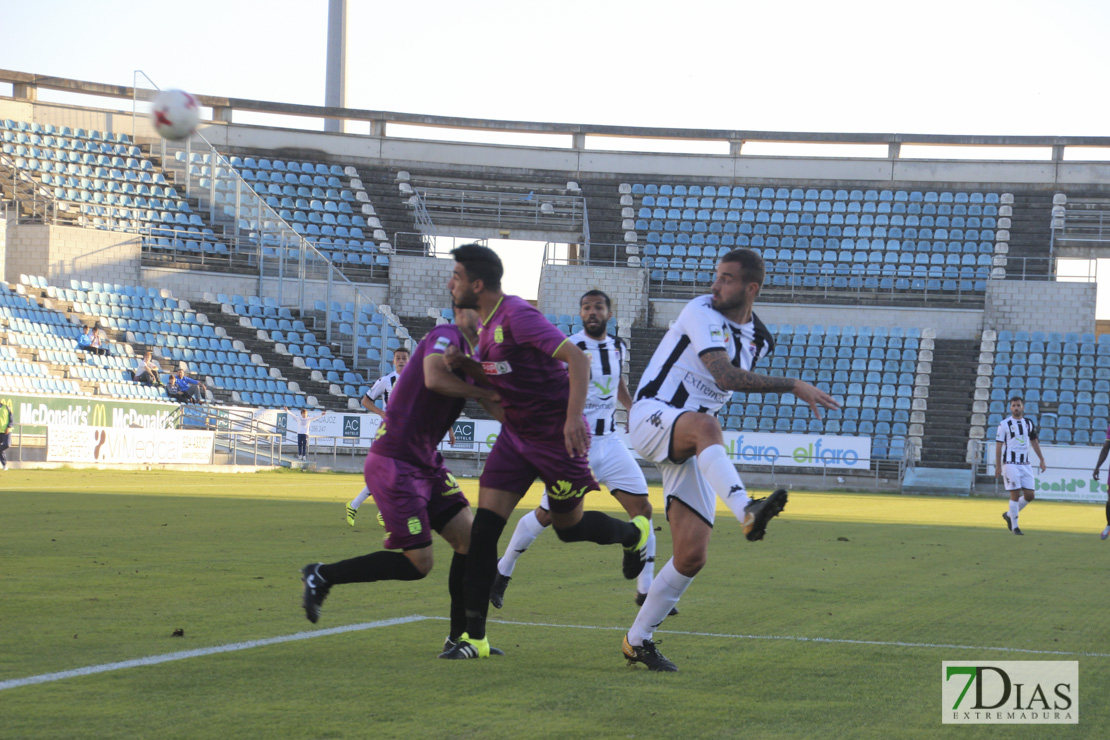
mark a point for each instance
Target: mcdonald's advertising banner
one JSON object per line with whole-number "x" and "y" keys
{"x": 131, "y": 446}
{"x": 35, "y": 413}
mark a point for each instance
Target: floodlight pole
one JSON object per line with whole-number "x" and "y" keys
{"x": 335, "y": 85}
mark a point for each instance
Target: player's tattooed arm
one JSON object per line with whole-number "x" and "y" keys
{"x": 731, "y": 378}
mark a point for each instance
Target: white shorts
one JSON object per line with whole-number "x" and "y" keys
{"x": 613, "y": 466}
{"x": 1017, "y": 477}
{"x": 651, "y": 423}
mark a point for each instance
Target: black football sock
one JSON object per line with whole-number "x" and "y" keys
{"x": 600, "y": 528}
{"x": 481, "y": 567}
{"x": 377, "y": 566}
{"x": 456, "y": 579}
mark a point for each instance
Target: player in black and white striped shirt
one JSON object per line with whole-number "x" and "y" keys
{"x": 1016, "y": 435}
{"x": 709, "y": 352}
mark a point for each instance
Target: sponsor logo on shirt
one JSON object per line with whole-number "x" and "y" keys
{"x": 710, "y": 390}
{"x": 442, "y": 343}
{"x": 718, "y": 334}
{"x": 497, "y": 368}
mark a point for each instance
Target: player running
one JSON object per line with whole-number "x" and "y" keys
{"x": 544, "y": 435}
{"x": 611, "y": 462}
{"x": 707, "y": 353}
{"x": 382, "y": 389}
{"x": 414, "y": 491}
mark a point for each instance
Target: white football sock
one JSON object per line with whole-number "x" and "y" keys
{"x": 1014, "y": 509}
{"x": 665, "y": 592}
{"x": 357, "y": 500}
{"x": 722, "y": 477}
{"x": 1022, "y": 503}
{"x": 526, "y": 532}
{"x": 647, "y": 575}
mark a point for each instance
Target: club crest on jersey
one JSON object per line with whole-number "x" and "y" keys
{"x": 497, "y": 368}
{"x": 498, "y": 334}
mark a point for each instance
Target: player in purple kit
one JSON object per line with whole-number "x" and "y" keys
{"x": 544, "y": 435}
{"x": 413, "y": 490}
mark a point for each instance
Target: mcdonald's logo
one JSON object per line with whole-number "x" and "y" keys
{"x": 98, "y": 417}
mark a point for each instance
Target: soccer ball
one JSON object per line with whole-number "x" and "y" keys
{"x": 175, "y": 114}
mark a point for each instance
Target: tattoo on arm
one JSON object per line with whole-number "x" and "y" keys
{"x": 731, "y": 378}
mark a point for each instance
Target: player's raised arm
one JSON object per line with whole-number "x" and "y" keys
{"x": 578, "y": 371}
{"x": 731, "y": 378}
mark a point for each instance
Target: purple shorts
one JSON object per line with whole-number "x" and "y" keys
{"x": 514, "y": 464}
{"x": 410, "y": 498}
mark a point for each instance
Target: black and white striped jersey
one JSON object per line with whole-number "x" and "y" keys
{"x": 676, "y": 374}
{"x": 382, "y": 388}
{"x": 606, "y": 356}
{"x": 1016, "y": 436}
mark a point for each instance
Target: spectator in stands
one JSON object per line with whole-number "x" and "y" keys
{"x": 85, "y": 339}
{"x": 184, "y": 389}
{"x": 147, "y": 371}
{"x": 94, "y": 343}
{"x": 301, "y": 425}
{"x": 1101, "y": 459}
{"x": 7, "y": 421}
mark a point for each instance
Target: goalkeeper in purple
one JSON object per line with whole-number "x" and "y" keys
{"x": 544, "y": 435}
{"x": 415, "y": 493}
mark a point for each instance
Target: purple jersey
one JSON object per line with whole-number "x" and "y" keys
{"x": 516, "y": 345}
{"x": 416, "y": 418}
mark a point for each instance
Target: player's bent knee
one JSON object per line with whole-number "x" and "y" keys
{"x": 689, "y": 565}
{"x": 421, "y": 560}
{"x": 543, "y": 516}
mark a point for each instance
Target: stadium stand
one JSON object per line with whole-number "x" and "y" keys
{"x": 822, "y": 240}
{"x": 1064, "y": 378}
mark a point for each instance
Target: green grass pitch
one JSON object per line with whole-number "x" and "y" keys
{"x": 835, "y": 625}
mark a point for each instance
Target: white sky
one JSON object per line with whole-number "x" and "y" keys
{"x": 945, "y": 67}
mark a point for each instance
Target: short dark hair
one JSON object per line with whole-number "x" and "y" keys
{"x": 402, "y": 349}
{"x": 1017, "y": 397}
{"x": 481, "y": 263}
{"x": 751, "y": 264}
{"x": 597, "y": 294}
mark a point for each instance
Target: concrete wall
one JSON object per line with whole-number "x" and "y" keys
{"x": 1040, "y": 305}
{"x": 193, "y": 285}
{"x": 561, "y": 287}
{"x": 418, "y": 283}
{"x": 62, "y": 253}
{"x": 949, "y": 323}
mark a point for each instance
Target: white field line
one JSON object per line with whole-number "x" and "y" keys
{"x": 828, "y": 640}
{"x": 199, "y": 652}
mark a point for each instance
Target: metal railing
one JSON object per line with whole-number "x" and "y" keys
{"x": 502, "y": 210}
{"x": 26, "y": 194}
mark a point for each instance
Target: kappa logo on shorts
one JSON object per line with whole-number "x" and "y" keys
{"x": 414, "y": 525}
{"x": 452, "y": 486}
{"x": 656, "y": 419}
{"x": 562, "y": 491}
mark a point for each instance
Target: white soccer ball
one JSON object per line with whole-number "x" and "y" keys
{"x": 175, "y": 114}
